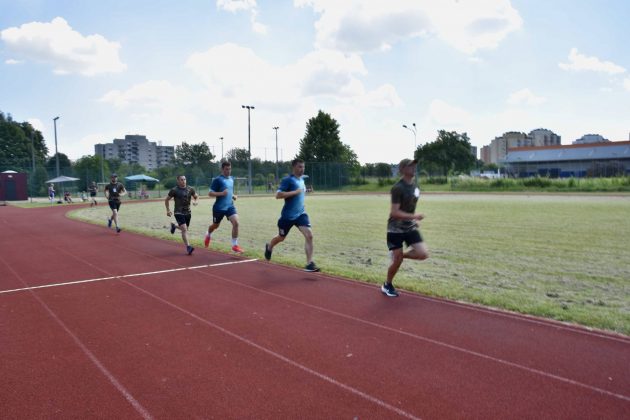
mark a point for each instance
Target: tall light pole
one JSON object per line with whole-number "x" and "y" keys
{"x": 277, "y": 172}
{"x": 414, "y": 130}
{"x": 56, "y": 152}
{"x": 103, "y": 163}
{"x": 249, "y": 147}
{"x": 221, "y": 138}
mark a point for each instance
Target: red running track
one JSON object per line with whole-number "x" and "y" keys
{"x": 235, "y": 338}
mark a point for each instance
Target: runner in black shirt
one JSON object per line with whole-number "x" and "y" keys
{"x": 113, "y": 191}
{"x": 182, "y": 195}
{"x": 402, "y": 224}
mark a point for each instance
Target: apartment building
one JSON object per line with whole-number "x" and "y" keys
{"x": 137, "y": 149}
{"x": 498, "y": 148}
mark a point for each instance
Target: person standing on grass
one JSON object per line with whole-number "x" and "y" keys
{"x": 292, "y": 189}
{"x": 113, "y": 191}
{"x": 93, "y": 189}
{"x": 51, "y": 193}
{"x": 182, "y": 194}
{"x": 222, "y": 188}
{"x": 402, "y": 226}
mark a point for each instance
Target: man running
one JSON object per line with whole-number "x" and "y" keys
{"x": 182, "y": 195}
{"x": 113, "y": 191}
{"x": 292, "y": 189}
{"x": 222, "y": 188}
{"x": 402, "y": 224}
{"x": 93, "y": 189}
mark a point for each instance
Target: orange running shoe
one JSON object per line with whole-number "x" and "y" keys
{"x": 237, "y": 249}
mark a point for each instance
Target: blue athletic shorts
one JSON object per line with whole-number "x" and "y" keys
{"x": 218, "y": 215}
{"x": 285, "y": 225}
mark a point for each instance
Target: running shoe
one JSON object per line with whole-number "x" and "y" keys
{"x": 267, "y": 252}
{"x": 388, "y": 290}
{"x": 237, "y": 249}
{"x": 109, "y": 223}
{"x": 311, "y": 267}
{"x": 206, "y": 242}
{"x": 173, "y": 227}
{"x": 118, "y": 230}
{"x": 189, "y": 249}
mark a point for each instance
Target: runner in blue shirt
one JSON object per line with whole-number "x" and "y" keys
{"x": 292, "y": 190}
{"x": 223, "y": 189}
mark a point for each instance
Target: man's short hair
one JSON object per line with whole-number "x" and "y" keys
{"x": 180, "y": 176}
{"x": 296, "y": 161}
{"x": 225, "y": 163}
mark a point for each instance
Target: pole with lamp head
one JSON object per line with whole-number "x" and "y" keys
{"x": 56, "y": 152}
{"x": 249, "y": 147}
{"x": 414, "y": 130}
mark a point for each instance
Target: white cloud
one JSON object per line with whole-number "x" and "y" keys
{"x": 626, "y": 83}
{"x": 68, "y": 51}
{"x": 232, "y": 72}
{"x": 443, "y": 114}
{"x": 151, "y": 94}
{"x": 12, "y": 62}
{"x": 371, "y": 25}
{"x": 250, "y": 6}
{"x": 526, "y": 97}
{"x": 581, "y": 62}
{"x": 236, "y": 5}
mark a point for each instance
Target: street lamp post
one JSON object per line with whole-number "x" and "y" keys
{"x": 56, "y": 152}
{"x": 221, "y": 138}
{"x": 103, "y": 163}
{"x": 249, "y": 147}
{"x": 414, "y": 130}
{"x": 277, "y": 172}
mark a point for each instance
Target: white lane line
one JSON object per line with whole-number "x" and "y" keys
{"x": 432, "y": 341}
{"x": 148, "y": 273}
{"x": 279, "y": 356}
{"x": 99, "y": 365}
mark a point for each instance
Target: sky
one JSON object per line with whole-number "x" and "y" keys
{"x": 182, "y": 70}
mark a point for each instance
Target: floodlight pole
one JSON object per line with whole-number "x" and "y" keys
{"x": 56, "y": 152}
{"x": 277, "y": 171}
{"x": 414, "y": 130}
{"x": 221, "y": 138}
{"x": 249, "y": 147}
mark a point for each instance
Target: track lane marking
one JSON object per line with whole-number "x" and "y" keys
{"x": 91, "y": 356}
{"x": 432, "y": 341}
{"x": 279, "y": 356}
{"x": 148, "y": 273}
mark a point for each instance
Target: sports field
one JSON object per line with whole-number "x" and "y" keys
{"x": 563, "y": 257}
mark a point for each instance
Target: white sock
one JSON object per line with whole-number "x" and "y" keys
{"x": 208, "y": 235}
{"x": 234, "y": 241}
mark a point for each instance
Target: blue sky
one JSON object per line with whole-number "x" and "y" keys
{"x": 180, "y": 71}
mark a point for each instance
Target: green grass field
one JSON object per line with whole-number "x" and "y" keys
{"x": 564, "y": 257}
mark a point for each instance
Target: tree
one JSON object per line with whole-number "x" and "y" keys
{"x": 193, "y": 154}
{"x": 18, "y": 143}
{"x": 321, "y": 142}
{"x": 237, "y": 157}
{"x": 449, "y": 153}
{"x": 65, "y": 166}
{"x": 88, "y": 168}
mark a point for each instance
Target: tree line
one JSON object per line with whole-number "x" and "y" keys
{"x": 23, "y": 149}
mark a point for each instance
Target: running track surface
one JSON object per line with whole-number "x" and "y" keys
{"x": 235, "y": 338}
